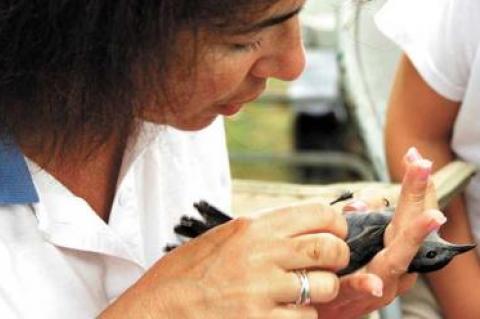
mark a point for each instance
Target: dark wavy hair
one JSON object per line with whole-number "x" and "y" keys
{"x": 74, "y": 72}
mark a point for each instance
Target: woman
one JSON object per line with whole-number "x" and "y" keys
{"x": 438, "y": 81}
{"x": 95, "y": 174}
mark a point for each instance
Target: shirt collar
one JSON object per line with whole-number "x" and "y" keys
{"x": 16, "y": 185}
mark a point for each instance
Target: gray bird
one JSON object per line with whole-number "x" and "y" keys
{"x": 365, "y": 238}
{"x": 366, "y": 230}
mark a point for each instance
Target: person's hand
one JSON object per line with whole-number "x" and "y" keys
{"x": 245, "y": 269}
{"x": 386, "y": 275}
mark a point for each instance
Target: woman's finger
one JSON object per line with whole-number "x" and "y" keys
{"x": 371, "y": 197}
{"x": 359, "y": 294}
{"x": 323, "y": 286}
{"x": 356, "y": 206}
{"x": 360, "y": 285}
{"x": 303, "y": 219}
{"x": 395, "y": 259}
{"x": 323, "y": 250}
{"x": 293, "y": 312}
{"x": 431, "y": 199}
{"x": 406, "y": 282}
{"x": 412, "y": 197}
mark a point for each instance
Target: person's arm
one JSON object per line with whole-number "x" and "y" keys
{"x": 420, "y": 117}
{"x": 244, "y": 269}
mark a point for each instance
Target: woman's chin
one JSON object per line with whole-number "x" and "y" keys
{"x": 195, "y": 124}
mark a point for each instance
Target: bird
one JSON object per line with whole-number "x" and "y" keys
{"x": 365, "y": 237}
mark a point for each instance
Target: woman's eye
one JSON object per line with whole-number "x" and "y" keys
{"x": 253, "y": 46}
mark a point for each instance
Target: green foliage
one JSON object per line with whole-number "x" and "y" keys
{"x": 260, "y": 128}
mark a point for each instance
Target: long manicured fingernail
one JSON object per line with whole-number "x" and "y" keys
{"x": 425, "y": 168}
{"x": 377, "y": 288}
{"x": 413, "y": 155}
{"x": 356, "y": 206}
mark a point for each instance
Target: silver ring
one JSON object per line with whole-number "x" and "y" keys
{"x": 304, "y": 297}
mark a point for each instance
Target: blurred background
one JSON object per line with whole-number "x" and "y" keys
{"x": 325, "y": 127}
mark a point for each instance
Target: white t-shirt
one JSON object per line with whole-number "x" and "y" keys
{"x": 58, "y": 259}
{"x": 442, "y": 39}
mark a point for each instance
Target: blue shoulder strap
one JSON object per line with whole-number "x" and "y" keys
{"x": 16, "y": 185}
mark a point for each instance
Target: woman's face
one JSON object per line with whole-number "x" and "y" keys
{"x": 231, "y": 70}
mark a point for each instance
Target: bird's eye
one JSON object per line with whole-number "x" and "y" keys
{"x": 431, "y": 254}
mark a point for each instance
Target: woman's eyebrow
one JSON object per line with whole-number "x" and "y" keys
{"x": 269, "y": 22}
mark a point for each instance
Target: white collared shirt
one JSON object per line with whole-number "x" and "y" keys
{"x": 442, "y": 39}
{"x": 58, "y": 259}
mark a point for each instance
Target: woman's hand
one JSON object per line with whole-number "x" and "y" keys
{"x": 385, "y": 277}
{"x": 245, "y": 269}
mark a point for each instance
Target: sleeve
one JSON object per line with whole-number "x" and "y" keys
{"x": 440, "y": 37}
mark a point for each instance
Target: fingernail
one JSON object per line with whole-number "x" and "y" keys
{"x": 425, "y": 168}
{"x": 356, "y": 206}
{"x": 438, "y": 219}
{"x": 413, "y": 155}
{"x": 377, "y": 288}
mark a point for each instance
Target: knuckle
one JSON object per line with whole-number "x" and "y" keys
{"x": 336, "y": 252}
{"x": 415, "y": 196}
{"x": 328, "y": 250}
{"x": 397, "y": 269}
{"x": 315, "y": 249}
{"x": 393, "y": 266}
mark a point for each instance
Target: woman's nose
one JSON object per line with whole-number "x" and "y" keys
{"x": 287, "y": 61}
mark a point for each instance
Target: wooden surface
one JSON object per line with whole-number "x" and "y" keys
{"x": 252, "y": 197}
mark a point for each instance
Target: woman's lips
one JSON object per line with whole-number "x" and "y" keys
{"x": 230, "y": 109}
{"x": 233, "y": 108}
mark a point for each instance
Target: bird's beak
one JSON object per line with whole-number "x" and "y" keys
{"x": 460, "y": 249}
